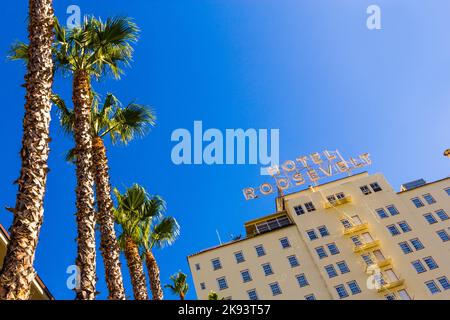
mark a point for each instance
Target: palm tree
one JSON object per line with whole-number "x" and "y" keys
{"x": 214, "y": 296}
{"x": 158, "y": 233}
{"x": 179, "y": 286}
{"x": 133, "y": 207}
{"x": 121, "y": 124}
{"x": 17, "y": 272}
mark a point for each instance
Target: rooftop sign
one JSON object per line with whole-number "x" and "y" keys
{"x": 303, "y": 169}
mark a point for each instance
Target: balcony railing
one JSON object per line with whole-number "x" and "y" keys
{"x": 366, "y": 246}
{"x": 391, "y": 285}
{"x": 379, "y": 264}
{"x": 337, "y": 202}
{"x": 355, "y": 228}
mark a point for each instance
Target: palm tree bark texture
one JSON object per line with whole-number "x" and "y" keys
{"x": 85, "y": 260}
{"x": 108, "y": 241}
{"x": 18, "y": 272}
{"x": 136, "y": 270}
{"x": 153, "y": 273}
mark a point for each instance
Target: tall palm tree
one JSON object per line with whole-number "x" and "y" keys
{"x": 157, "y": 233}
{"x": 133, "y": 207}
{"x": 179, "y": 286}
{"x": 121, "y": 124}
{"x": 17, "y": 272}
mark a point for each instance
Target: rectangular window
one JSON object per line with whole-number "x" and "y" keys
{"x": 393, "y": 230}
{"x": 197, "y": 266}
{"x": 293, "y": 262}
{"x": 260, "y": 250}
{"x": 299, "y": 210}
{"x": 246, "y": 277}
{"x": 321, "y": 252}
{"x": 381, "y": 213}
{"x": 431, "y": 285}
{"x": 448, "y": 191}
{"x": 331, "y": 199}
{"x": 239, "y": 257}
{"x": 252, "y": 295}
{"x": 404, "y": 294}
{"x": 302, "y": 281}
{"x": 405, "y": 247}
{"x": 353, "y": 286}
{"x": 341, "y": 291}
{"x": 222, "y": 282}
{"x": 417, "y": 244}
{"x": 310, "y": 297}
{"x": 404, "y": 226}
{"x": 202, "y": 286}
{"x": 323, "y": 231}
{"x": 331, "y": 271}
{"x": 346, "y": 223}
{"x": 333, "y": 248}
{"x": 430, "y": 263}
{"x": 375, "y": 187}
{"x": 390, "y": 296}
{"x": 430, "y": 218}
{"x": 442, "y": 215}
{"x": 275, "y": 287}
{"x": 443, "y": 235}
{"x": 417, "y": 202}
{"x": 429, "y": 198}
{"x": 312, "y": 234}
{"x": 285, "y": 243}
{"x": 340, "y": 195}
{"x": 367, "y": 259}
{"x": 392, "y": 210}
{"x": 343, "y": 267}
{"x": 444, "y": 283}
{"x": 267, "y": 268}
{"x": 216, "y": 264}
{"x": 365, "y": 190}
{"x": 310, "y": 207}
{"x": 418, "y": 266}
{"x": 356, "y": 240}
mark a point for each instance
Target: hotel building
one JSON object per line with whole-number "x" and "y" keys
{"x": 352, "y": 238}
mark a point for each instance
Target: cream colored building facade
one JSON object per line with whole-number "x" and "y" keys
{"x": 352, "y": 238}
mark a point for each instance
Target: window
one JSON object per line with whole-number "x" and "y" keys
{"x": 202, "y": 286}
{"x": 310, "y": 297}
{"x": 429, "y": 198}
{"x": 392, "y": 210}
{"x": 393, "y": 230}
{"x": 302, "y": 281}
{"x": 342, "y": 293}
{"x": 390, "y": 296}
{"x": 293, "y": 261}
{"x": 367, "y": 259}
{"x": 216, "y": 264}
{"x": 340, "y": 195}
{"x": 321, "y": 252}
{"x": 333, "y": 248}
{"x": 448, "y": 191}
{"x": 227, "y": 298}
{"x": 418, "y": 266}
{"x": 405, "y": 247}
{"x": 331, "y": 199}
{"x": 417, "y": 244}
{"x": 222, "y": 282}
{"x": 431, "y": 285}
{"x": 442, "y": 215}
{"x": 331, "y": 271}
{"x": 252, "y": 295}
{"x": 343, "y": 267}
{"x": 299, "y": 210}
{"x": 382, "y": 213}
{"x": 312, "y": 234}
{"x": 430, "y": 263}
{"x": 285, "y": 243}
{"x": 239, "y": 257}
{"x": 267, "y": 268}
{"x": 365, "y": 190}
{"x": 346, "y": 223}
{"x": 356, "y": 240}
{"x": 404, "y": 226}
{"x": 260, "y": 250}
{"x": 404, "y": 294}
{"x": 443, "y": 235}
{"x": 444, "y": 283}
{"x": 375, "y": 187}
{"x": 323, "y": 231}
{"x": 417, "y": 202}
{"x": 310, "y": 207}
{"x": 353, "y": 286}
{"x": 197, "y": 266}
{"x": 275, "y": 287}
{"x": 246, "y": 277}
{"x": 430, "y": 218}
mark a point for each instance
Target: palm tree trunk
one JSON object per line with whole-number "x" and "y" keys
{"x": 108, "y": 241}
{"x": 18, "y": 272}
{"x": 181, "y": 295}
{"x": 153, "y": 273}
{"x": 84, "y": 191}
{"x": 136, "y": 270}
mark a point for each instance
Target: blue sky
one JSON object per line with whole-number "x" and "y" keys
{"x": 311, "y": 69}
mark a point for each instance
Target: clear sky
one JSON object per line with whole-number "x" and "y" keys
{"x": 309, "y": 68}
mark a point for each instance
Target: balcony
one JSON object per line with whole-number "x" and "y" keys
{"x": 391, "y": 285}
{"x": 337, "y": 202}
{"x": 356, "y": 228}
{"x": 366, "y": 246}
{"x": 378, "y": 264}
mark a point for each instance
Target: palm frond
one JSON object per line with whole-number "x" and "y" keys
{"x": 19, "y": 51}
